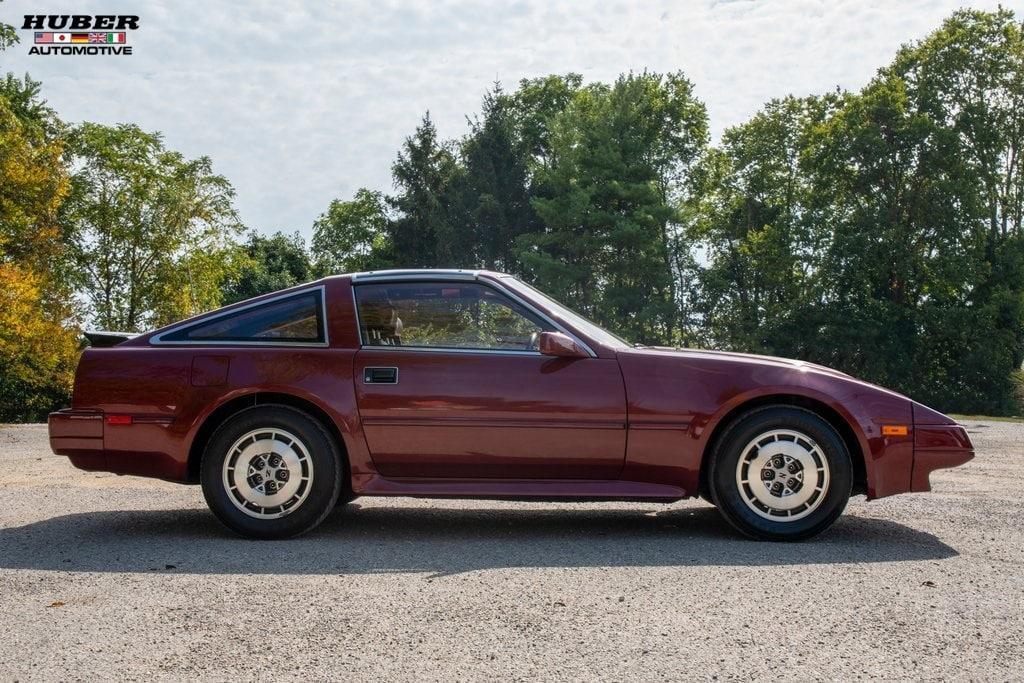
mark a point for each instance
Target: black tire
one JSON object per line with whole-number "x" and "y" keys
{"x": 770, "y": 524}
{"x": 320, "y": 458}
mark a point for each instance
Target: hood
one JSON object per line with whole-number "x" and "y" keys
{"x": 747, "y": 372}
{"x": 752, "y": 362}
{"x": 742, "y": 357}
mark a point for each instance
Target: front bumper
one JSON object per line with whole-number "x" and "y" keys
{"x": 937, "y": 447}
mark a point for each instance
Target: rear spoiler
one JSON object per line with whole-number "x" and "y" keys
{"x": 103, "y": 338}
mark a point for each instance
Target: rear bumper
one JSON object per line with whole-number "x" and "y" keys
{"x": 937, "y": 447}
{"x": 78, "y": 434}
{"x": 139, "y": 444}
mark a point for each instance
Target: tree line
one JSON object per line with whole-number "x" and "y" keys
{"x": 877, "y": 231}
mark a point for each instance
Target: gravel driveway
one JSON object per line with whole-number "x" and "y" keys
{"x": 126, "y": 578}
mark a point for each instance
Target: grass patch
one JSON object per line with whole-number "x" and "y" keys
{"x": 987, "y": 418}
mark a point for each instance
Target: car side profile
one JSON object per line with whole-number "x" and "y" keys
{"x": 473, "y": 384}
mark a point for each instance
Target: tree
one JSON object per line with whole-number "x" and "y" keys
{"x": 426, "y": 232}
{"x": 33, "y": 183}
{"x": 154, "y": 230}
{"x": 879, "y": 232}
{"x": 968, "y": 77}
{"x": 352, "y": 236}
{"x": 535, "y": 105}
{"x": 38, "y": 343}
{"x": 747, "y": 212}
{"x": 24, "y": 98}
{"x": 917, "y": 182}
{"x": 495, "y": 190}
{"x": 608, "y": 201}
{"x": 268, "y": 264}
{"x": 8, "y": 36}
{"x": 38, "y": 353}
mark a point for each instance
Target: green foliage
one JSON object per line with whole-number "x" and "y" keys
{"x": 607, "y": 200}
{"x": 154, "y": 231}
{"x": 352, "y": 236}
{"x": 1017, "y": 379}
{"x": 536, "y": 104}
{"x": 880, "y": 232}
{"x": 8, "y": 36}
{"x": 33, "y": 182}
{"x": 38, "y": 349}
{"x": 38, "y": 353}
{"x": 267, "y": 264}
{"x": 23, "y": 96}
{"x": 427, "y": 232}
{"x": 747, "y": 209}
{"x": 495, "y": 191}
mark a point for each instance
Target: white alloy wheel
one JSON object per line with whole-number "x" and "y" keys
{"x": 782, "y": 475}
{"x": 268, "y": 473}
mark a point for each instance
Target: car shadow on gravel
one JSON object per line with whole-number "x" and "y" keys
{"x": 441, "y": 541}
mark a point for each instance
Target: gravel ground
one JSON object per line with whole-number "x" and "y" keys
{"x": 105, "y": 577}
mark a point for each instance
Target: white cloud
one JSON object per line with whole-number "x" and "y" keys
{"x": 298, "y": 103}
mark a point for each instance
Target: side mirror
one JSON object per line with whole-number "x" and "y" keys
{"x": 561, "y": 345}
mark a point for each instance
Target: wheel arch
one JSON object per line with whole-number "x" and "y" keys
{"x": 839, "y": 422}
{"x": 233, "y": 406}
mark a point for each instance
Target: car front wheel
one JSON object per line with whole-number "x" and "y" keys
{"x": 271, "y": 472}
{"x": 781, "y": 474}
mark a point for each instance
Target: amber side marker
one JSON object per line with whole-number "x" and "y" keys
{"x": 895, "y": 430}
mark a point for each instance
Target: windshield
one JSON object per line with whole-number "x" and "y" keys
{"x": 574, "y": 319}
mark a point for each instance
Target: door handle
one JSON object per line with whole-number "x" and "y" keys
{"x": 380, "y": 375}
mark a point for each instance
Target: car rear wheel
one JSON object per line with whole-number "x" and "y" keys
{"x": 781, "y": 474}
{"x": 271, "y": 472}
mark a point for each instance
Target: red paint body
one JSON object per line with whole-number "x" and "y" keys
{"x": 618, "y": 423}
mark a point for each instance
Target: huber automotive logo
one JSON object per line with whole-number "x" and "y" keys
{"x": 80, "y": 34}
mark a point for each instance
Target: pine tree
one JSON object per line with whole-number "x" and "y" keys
{"x": 495, "y": 190}
{"x": 425, "y": 234}
{"x": 608, "y": 198}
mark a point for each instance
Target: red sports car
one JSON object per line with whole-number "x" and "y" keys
{"x": 472, "y": 384}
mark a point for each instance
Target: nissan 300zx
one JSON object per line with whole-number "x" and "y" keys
{"x": 472, "y": 384}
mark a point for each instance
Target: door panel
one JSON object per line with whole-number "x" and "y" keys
{"x": 492, "y": 415}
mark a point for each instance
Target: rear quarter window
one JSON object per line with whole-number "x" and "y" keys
{"x": 298, "y": 318}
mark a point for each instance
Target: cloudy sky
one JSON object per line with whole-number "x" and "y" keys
{"x": 298, "y": 103}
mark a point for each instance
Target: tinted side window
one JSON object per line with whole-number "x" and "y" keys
{"x": 445, "y": 315}
{"x": 295, "y": 319}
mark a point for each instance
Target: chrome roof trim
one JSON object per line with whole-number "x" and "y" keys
{"x": 416, "y": 274}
